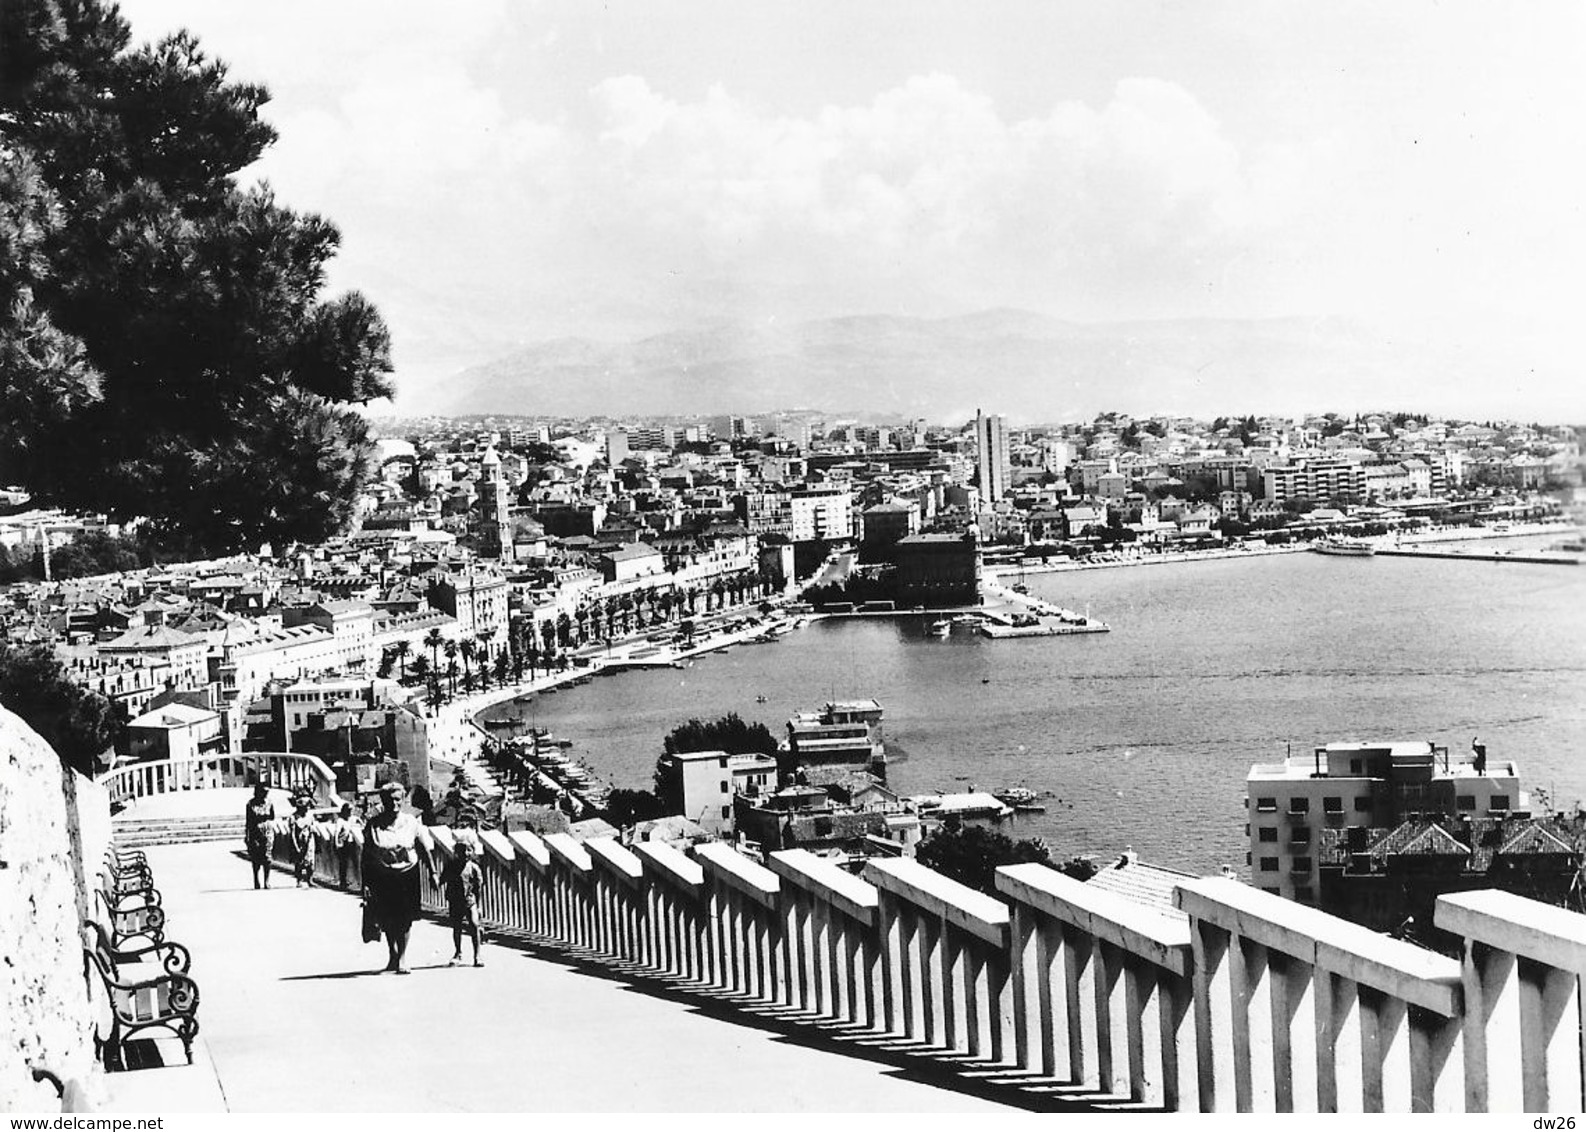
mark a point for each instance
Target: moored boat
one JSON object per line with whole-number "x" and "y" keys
{"x": 941, "y": 628}
{"x": 1349, "y": 547}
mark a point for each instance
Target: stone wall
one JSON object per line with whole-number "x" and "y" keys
{"x": 43, "y": 998}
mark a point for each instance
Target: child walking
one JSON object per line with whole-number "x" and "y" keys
{"x": 463, "y": 883}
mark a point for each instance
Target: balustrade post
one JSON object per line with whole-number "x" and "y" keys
{"x": 838, "y": 1001}
{"x": 853, "y": 971}
{"x": 1142, "y": 994}
{"x": 820, "y": 949}
{"x": 893, "y": 1009}
{"x": 1254, "y": 1083}
{"x": 1214, "y": 1016}
{"x": 1299, "y": 1069}
{"x": 712, "y": 935}
{"x": 699, "y": 930}
{"x": 977, "y": 998}
{"x": 1492, "y": 1010}
{"x": 734, "y": 941}
{"x": 1385, "y": 1038}
{"x": 1180, "y": 1083}
{"x": 803, "y": 934}
{"x": 999, "y": 979}
{"x": 1550, "y": 1037}
{"x": 1022, "y": 972}
{"x": 1084, "y": 1025}
{"x": 1436, "y": 1062}
{"x": 929, "y": 934}
{"x": 954, "y": 1002}
{"x": 776, "y": 957}
{"x": 1112, "y": 1019}
{"x": 1052, "y": 1000}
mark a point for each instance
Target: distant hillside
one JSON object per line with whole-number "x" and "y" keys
{"x": 1025, "y": 365}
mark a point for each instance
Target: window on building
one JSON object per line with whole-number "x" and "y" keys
{"x": 1304, "y": 893}
{"x": 1466, "y": 802}
{"x": 724, "y": 788}
{"x": 1362, "y": 805}
{"x": 1332, "y": 804}
{"x": 1300, "y": 835}
{"x": 1273, "y": 891}
{"x": 1300, "y": 865}
{"x": 1267, "y": 833}
{"x": 726, "y": 811}
{"x": 1269, "y": 864}
{"x": 1356, "y": 766}
{"x": 1299, "y": 805}
{"x": 1266, "y": 805}
{"x": 1498, "y": 802}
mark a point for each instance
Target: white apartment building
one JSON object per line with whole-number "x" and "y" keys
{"x": 1360, "y": 784}
{"x": 711, "y": 778}
{"x": 821, "y": 513}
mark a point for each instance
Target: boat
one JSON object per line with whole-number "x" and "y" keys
{"x": 1022, "y": 799}
{"x": 500, "y": 724}
{"x": 1350, "y": 547}
{"x": 759, "y": 699}
{"x": 941, "y": 628}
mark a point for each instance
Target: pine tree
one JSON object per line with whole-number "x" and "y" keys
{"x": 165, "y": 348}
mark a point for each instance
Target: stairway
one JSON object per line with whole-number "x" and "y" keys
{"x": 134, "y": 833}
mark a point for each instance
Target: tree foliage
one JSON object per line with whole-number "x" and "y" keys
{"x": 89, "y": 554}
{"x": 730, "y": 733}
{"x": 970, "y": 854}
{"x": 165, "y": 348}
{"x": 629, "y": 807}
{"x": 79, "y": 724}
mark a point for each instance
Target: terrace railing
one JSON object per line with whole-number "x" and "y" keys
{"x": 1236, "y": 1000}
{"x": 284, "y": 770}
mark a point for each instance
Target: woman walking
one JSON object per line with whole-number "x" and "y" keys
{"x": 257, "y": 819}
{"x": 394, "y": 844}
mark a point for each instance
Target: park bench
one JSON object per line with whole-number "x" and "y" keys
{"x": 143, "y": 991}
{"x": 145, "y": 978}
{"x": 130, "y": 913}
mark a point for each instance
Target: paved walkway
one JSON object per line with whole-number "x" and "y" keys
{"x": 293, "y": 1020}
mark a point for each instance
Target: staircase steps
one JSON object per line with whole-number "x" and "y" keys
{"x": 133, "y": 833}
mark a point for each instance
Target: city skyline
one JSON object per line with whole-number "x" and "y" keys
{"x": 517, "y": 175}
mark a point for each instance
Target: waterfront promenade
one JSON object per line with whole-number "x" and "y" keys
{"x": 293, "y": 1019}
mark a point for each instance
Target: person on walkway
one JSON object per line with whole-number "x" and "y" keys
{"x": 347, "y": 837}
{"x": 300, "y": 832}
{"x": 464, "y": 884}
{"x": 257, "y": 818}
{"x": 394, "y": 845}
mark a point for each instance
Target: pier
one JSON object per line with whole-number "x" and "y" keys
{"x": 1534, "y": 558}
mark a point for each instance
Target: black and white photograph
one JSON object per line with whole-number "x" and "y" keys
{"x": 738, "y": 556}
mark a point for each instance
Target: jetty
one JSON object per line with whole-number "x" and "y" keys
{"x": 1531, "y": 557}
{"x": 1042, "y": 629}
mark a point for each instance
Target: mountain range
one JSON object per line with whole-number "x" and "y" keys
{"x": 1029, "y": 366}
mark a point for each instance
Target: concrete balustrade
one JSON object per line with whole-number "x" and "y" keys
{"x": 1237, "y": 1000}
{"x": 1298, "y": 1010}
{"x": 1521, "y": 975}
{"x": 282, "y": 770}
{"x": 674, "y": 910}
{"x": 831, "y": 957}
{"x": 946, "y": 979}
{"x": 743, "y": 935}
{"x": 1102, "y": 989}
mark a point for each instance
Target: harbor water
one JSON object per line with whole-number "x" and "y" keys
{"x": 1143, "y": 736}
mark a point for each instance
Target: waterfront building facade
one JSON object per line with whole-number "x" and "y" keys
{"x": 1290, "y": 804}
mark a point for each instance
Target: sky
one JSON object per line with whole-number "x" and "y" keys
{"x": 509, "y": 171}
